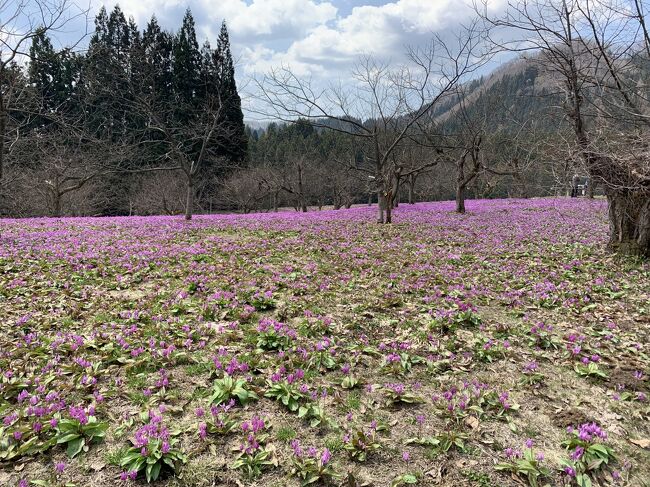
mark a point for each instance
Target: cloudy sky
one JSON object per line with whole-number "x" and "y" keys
{"x": 320, "y": 38}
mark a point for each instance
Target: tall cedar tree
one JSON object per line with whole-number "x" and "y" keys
{"x": 236, "y": 146}
{"x": 186, "y": 67}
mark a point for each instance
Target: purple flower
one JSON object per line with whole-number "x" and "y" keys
{"x": 325, "y": 457}
{"x": 59, "y": 467}
{"x": 577, "y": 453}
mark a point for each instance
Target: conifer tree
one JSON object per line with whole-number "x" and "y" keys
{"x": 186, "y": 63}
{"x": 236, "y": 145}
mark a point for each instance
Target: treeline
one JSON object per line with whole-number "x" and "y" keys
{"x": 139, "y": 123}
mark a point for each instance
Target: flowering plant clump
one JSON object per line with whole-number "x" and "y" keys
{"x": 474, "y": 399}
{"x": 589, "y": 454}
{"x": 273, "y": 335}
{"x": 31, "y": 428}
{"x": 228, "y": 388}
{"x": 589, "y": 367}
{"x": 531, "y": 375}
{"x": 542, "y": 336}
{"x": 461, "y": 315}
{"x": 398, "y": 357}
{"x": 398, "y": 393}
{"x": 262, "y": 300}
{"x": 362, "y": 442}
{"x": 322, "y": 357}
{"x": 527, "y": 464}
{"x": 498, "y": 405}
{"x": 152, "y": 451}
{"x": 221, "y": 420}
{"x": 79, "y": 430}
{"x": 312, "y": 466}
{"x": 350, "y": 381}
{"x": 286, "y": 391}
{"x": 489, "y": 350}
{"x": 254, "y": 454}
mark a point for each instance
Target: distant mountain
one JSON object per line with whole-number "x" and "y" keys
{"x": 515, "y": 93}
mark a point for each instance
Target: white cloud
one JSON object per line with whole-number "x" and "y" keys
{"x": 382, "y": 30}
{"x": 268, "y": 17}
{"x": 245, "y": 18}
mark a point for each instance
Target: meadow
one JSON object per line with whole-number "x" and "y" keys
{"x": 502, "y": 347}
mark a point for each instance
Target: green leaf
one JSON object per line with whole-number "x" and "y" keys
{"x": 155, "y": 470}
{"x": 75, "y": 447}
{"x": 67, "y": 438}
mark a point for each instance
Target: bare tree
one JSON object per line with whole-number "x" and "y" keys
{"x": 159, "y": 192}
{"x": 246, "y": 189}
{"x": 383, "y": 108}
{"x": 189, "y": 144}
{"x": 20, "y": 22}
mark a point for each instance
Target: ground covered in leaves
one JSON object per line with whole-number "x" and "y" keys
{"x": 502, "y": 347}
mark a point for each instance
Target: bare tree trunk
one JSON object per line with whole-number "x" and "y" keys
{"x": 338, "y": 203}
{"x": 189, "y": 202}
{"x": 629, "y": 223}
{"x": 3, "y": 129}
{"x": 381, "y": 203}
{"x": 275, "y": 202}
{"x": 460, "y": 186}
{"x": 521, "y": 191}
{"x": 389, "y": 210}
{"x": 301, "y": 193}
{"x": 460, "y": 198}
{"x": 56, "y": 204}
{"x": 411, "y": 189}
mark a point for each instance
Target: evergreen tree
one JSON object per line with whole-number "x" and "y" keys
{"x": 235, "y": 146}
{"x": 43, "y": 71}
{"x": 157, "y": 56}
{"x": 186, "y": 64}
{"x": 54, "y": 77}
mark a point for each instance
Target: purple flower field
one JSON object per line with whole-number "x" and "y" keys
{"x": 503, "y": 347}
